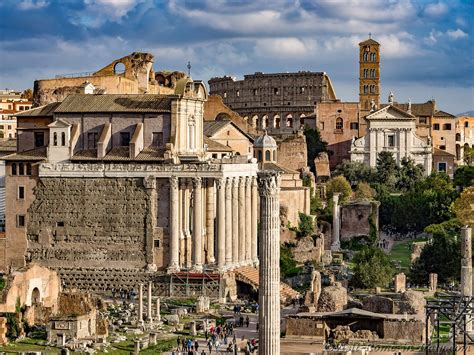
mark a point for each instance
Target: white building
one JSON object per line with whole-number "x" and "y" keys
{"x": 392, "y": 129}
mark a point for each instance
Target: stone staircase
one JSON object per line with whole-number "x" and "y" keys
{"x": 249, "y": 275}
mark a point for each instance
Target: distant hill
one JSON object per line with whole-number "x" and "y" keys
{"x": 467, "y": 113}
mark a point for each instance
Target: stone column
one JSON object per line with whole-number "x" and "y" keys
{"x": 197, "y": 226}
{"x": 336, "y": 244}
{"x": 242, "y": 228}
{"x": 210, "y": 221}
{"x": 149, "y": 182}
{"x": 174, "y": 225}
{"x": 269, "y": 271}
{"x": 158, "y": 309}
{"x": 235, "y": 222}
{"x": 254, "y": 225}
{"x": 221, "y": 209}
{"x": 248, "y": 220}
{"x": 372, "y": 147}
{"x": 149, "y": 316}
{"x": 466, "y": 265}
{"x": 228, "y": 222}
{"x": 140, "y": 303}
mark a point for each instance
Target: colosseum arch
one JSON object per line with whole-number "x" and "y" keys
{"x": 302, "y": 116}
{"x": 289, "y": 120}
{"x": 223, "y": 116}
{"x": 119, "y": 68}
{"x": 254, "y": 121}
{"x": 277, "y": 121}
{"x": 265, "y": 121}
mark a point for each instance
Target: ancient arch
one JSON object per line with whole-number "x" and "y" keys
{"x": 35, "y": 296}
{"x": 277, "y": 121}
{"x": 302, "y": 116}
{"x": 119, "y": 68}
{"x": 223, "y": 116}
{"x": 289, "y": 120}
{"x": 254, "y": 121}
{"x": 265, "y": 122}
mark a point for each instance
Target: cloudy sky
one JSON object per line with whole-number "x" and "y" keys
{"x": 427, "y": 45}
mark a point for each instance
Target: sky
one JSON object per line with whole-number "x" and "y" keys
{"x": 427, "y": 46}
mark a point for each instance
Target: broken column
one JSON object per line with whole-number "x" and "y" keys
{"x": 433, "y": 282}
{"x": 312, "y": 296}
{"x": 158, "y": 310}
{"x": 140, "y": 304}
{"x": 400, "y": 282}
{"x": 269, "y": 270}
{"x": 466, "y": 265}
{"x": 336, "y": 244}
{"x": 149, "y": 316}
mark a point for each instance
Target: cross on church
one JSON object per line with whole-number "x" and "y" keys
{"x": 370, "y": 35}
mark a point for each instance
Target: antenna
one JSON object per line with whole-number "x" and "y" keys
{"x": 189, "y": 68}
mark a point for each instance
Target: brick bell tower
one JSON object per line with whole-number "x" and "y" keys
{"x": 369, "y": 75}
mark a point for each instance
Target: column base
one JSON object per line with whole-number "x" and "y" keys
{"x": 335, "y": 247}
{"x": 256, "y": 263}
{"x": 173, "y": 268}
{"x": 197, "y": 268}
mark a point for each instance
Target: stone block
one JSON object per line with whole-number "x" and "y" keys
{"x": 378, "y": 304}
{"x": 332, "y": 299}
{"x": 172, "y": 319}
{"x": 400, "y": 282}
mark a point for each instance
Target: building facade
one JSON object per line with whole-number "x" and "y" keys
{"x": 369, "y": 75}
{"x": 106, "y": 186}
{"x": 464, "y": 137}
{"x": 275, "y": 102}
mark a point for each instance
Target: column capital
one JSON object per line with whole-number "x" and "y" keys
{"x": 248, "y": 181}
{"x": 174, "y": 182}
{"x": 269, "y": 182}
{"x": 220, "y": 182}
{"x": 254, "y": 181}
{"x": 197, "y": 182}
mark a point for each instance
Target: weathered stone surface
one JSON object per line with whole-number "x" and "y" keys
{"x": 433, "y": 282}
{"x": 309, "y": 249}
{"x": 357, "y": 217}
{"x": 412, "y": 302}
{"x": 3, "y": 331}
{"x": 172, "y": 319}
{"x": 416, "y": 249}
{"x": 332, "y": 299}
{"x": 202, "y": 304}
{"x": 378, "y": 304}
{"x": 400, "y": 282}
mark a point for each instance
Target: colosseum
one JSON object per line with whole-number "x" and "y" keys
{"x": 275, "y": 102}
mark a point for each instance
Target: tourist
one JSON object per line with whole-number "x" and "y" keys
{"x": 241, "y": 321}
{"x": 196, "y": 345}
{"x": 209, "y": 346}
{"x": 178, "y": 341}
{"x": 247, "y": 321}
{"x": 217, "y": 344}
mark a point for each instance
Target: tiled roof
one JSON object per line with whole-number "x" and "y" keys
{"x": 276, "y": 167}
{"x": 443, "y": 114}
{"x": 33, "y": 154}
{"x": 46, "y": 110}
{"x": 120, "y": 154}
{"x": 84, "y": 103}
{"x": 441, "y": 152}
{"x": 214, "y": 146}
{"x": 212, "y": 127}
{"x": 8, "y": 145}
{"x": 151, "y": 154}
{"x": 369, "y": 41}
{"x": 417, "y": 109}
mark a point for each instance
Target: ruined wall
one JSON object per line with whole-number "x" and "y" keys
{"x": 356, "y": 218}
{"x": 411, "y": 331}
{"x": 292, "y": 153}
{"x": 93, "y": 222}
{"x": 295, "y": 200}
{"x": 305, "y": 327}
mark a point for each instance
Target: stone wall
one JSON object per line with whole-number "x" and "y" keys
{"x": 356, "y": 219}
{"x": 305, "y": 327}
{"x": 292, "y": 153}
{"x": 400, "y": 331}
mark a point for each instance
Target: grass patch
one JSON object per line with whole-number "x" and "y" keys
{"x": 401, "y": 253}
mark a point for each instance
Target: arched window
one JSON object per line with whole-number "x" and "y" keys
{"x": 35, "y": 296}
{"x": 366, "y": 57}
{"x": 366, "y": 89}
{"x": 260, "y": 156}
{"x": 372, "y": 89}
{"x": 339, "y": 123}
{"x": 366, "y": 73}
{"x": 14, "y": 169}
{"x": 63, "y": 138}
{"x": 28, "y": 169}
{"x": 458, "y": 136}
{"x": 366, "y": 104}
{"x": 55, "y": 138}
{"x": 267, "y": 155}
{"x": 21, "y": 170}
{"x": 373, "y": 56}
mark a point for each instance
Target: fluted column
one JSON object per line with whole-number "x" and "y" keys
{"x": 466, "y": 266}
{"x": 140, "y": 303}
{"x": 254, "y": 232}
{"x": 242, "y": 228}
{"x": 149, "y": 316}
{"x": 221, "y": 210}
{"x": 336, "y": 244}
{"x": 197, "y": 225}
{"x": 235, "y": 221}
{"x": 248, "y": 220}
{"x": 269, "y": 270}
{"x": 210, "y": 221}
{"x": 228, "y": 222}
{"x": 174, "y": 225}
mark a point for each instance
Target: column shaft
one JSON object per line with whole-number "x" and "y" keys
{"x": 235, "y": 221}
{"x": 174, "y": 224}
{"x": 197, "y": 226}
{"x": 254, "y": 232}
{"x": 228, "y": 222}
{"x": 221, "y": 211}
{"x": 248, "y": 220}
{"x": 149, "y": 316}
{"x": 210, "y": 221}
{"x": 242, "y": 228}
{"x": 140, "y": 303}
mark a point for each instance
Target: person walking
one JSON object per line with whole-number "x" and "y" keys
{"x": 247, "y": 321}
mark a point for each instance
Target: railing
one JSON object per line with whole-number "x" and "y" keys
{"x": 74, "y": 75}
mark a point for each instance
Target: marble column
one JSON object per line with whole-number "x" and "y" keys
{"x": 149, "y": 316}
{"x": 140, "y": 303}
{"x": 269, "y": 270}
{"x": 242, "y": 228}
{"x": 221, "y": 210}
{"x": 254, "y": 225}
{"x": 228, "y": 222}
{"x": 235, "y": 222}
{"x": 210, "y": 221}
{"x": 466, "y": 266}
{"x": 248, "y": 220}
{"x": 158, "y": 309}
{"x": 174, "y": 225}
{"x": 197, "y": 225}
{"x": 372, "y": 147}
{"x": 336, "y": 244}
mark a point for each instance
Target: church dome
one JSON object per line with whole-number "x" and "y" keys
{"x": 265, "y": 141}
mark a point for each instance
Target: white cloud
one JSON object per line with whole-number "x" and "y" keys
{"x": 97, "y": 12}
{"x": 460, "y": 21}
{"x": 399, "y": 45}
{"x": 281, "y": 47}
{"x": 436, "y": 9}
{"x": 457, "y": 34}
{"x": 32, "y": 4}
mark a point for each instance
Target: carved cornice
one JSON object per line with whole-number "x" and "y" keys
{"x": 269, "y": 183}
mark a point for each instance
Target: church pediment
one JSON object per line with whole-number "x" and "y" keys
{"x": 390, "y": 113}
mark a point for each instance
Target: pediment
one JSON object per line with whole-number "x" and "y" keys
{"x": 390, "y": 113}
{"x": 59, "y": 123}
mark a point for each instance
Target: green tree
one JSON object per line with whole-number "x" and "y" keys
{"x": 464, "y": 207}
{"x": 464, "y": 176}
{"x": 468, "y": 154}
{"x": 314, "y": 145}
{"x": 364, "y": 192}
{"x": 27, "y": 94}
{"x": 386, "y": 169}
{"x": 339, "y": 184}
{"x": 372, "y": 268}
{"x": 355, "y": 172}
{"x": 408, "y": 174}
{"x": 305, "y": 225}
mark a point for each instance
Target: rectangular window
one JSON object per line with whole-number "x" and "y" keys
{"x": 21, "y": 192}
{"x": 124, "y": 139}
{"x": 9, "y": 127}
{"x": 157, "y": 243}
{"x": 422, "y": 120}
{"x": 447, "y": 126}
{"x": 321, "y": 126}
{"x": 92, "y": 138}
{"x": 354, "y": 125}
{"x": 20, "y": 220}
{"x": 157, "y": 139}
{"x": 391, "y": 140}
{"x": 1, "y": 126}
{"x": 436, "y": 126}
{"x": 442, "y": 147}
{"x": 39, "y": 139}
{"x": 442, "y": 167}
{"x": 466, "y": 124}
